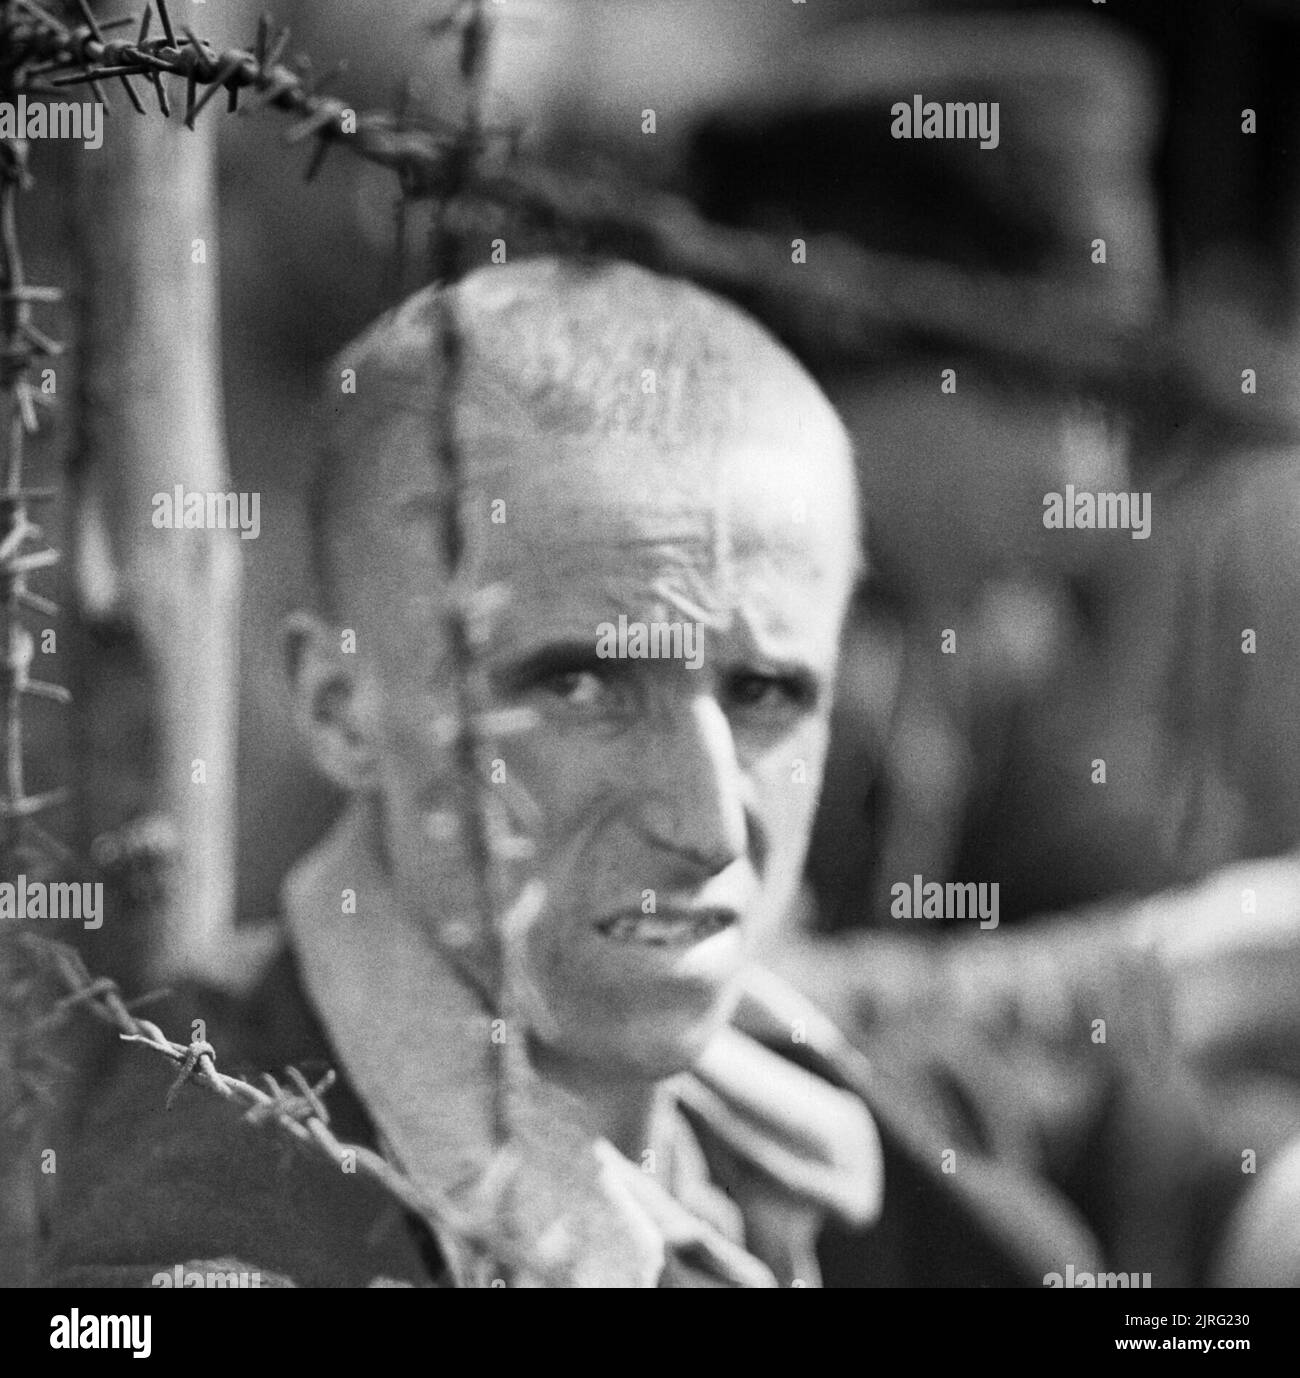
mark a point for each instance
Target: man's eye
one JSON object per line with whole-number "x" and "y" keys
{"x": 751, "y": 689}
{"x": 579, "y": 688}
{"x": 566, "y": 677}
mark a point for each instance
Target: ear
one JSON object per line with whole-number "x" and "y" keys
{"x": 326, "y": 688}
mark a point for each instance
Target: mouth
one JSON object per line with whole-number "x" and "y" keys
{"x": 668, "y": 927}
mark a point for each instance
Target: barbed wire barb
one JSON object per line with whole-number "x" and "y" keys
{"x": 300, "y": 1115}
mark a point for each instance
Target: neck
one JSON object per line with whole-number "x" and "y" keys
{"x": 620, "y": 1105}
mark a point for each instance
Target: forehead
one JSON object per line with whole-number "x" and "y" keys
{"x": 759, "y": 533}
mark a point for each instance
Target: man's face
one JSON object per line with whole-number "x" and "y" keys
{"x": 669, "y": 798}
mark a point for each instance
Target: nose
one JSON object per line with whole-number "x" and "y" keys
{"x": 697, "y": 807}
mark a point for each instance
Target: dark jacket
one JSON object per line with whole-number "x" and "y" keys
{"x": 142, "y": 1189}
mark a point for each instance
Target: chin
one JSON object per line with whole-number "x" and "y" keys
{"x": 654, "y": 1045}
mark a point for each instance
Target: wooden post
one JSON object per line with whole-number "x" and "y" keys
{"x": 149, "y": 413}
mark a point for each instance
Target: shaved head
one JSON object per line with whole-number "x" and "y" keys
{"x": 609, "y": 354}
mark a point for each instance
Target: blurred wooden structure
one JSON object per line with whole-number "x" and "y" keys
{"x": 149, "y": 418}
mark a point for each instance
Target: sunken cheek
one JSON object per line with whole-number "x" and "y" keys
{"x": 789, "y": 781}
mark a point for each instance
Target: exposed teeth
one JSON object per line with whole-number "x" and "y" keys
{"x": 662, "y": 930}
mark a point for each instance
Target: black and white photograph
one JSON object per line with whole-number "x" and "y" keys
{"x": 650, "y": 643}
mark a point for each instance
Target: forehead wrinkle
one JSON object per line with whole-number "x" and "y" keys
{"x": 683, "y": 533}
{"x": 657, "y": 591}
{"x": 691, "y": 597}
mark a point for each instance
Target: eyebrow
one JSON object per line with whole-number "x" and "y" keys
{"x": 515, "y": 671}
{"x": 754, "y": 648}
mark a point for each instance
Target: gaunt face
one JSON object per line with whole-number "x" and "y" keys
{"x": 669, "y": 775}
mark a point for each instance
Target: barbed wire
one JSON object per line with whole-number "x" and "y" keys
{"x": 23, "y": 552}
{"x": 36, "y": 52}
{"x": 473, "y": 749}
{"x": 25, "y": 1068}
{"x": 41, "y": 54}
{"x": 298, "y": 1113}
{"x": 842, "y": 302}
